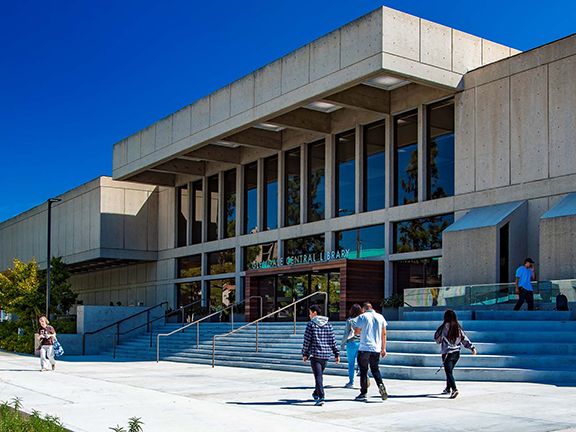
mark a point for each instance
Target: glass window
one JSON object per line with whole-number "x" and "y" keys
{"x": 183, "y": 204}
{"x": 362, "y": 242}
{"x": 440, "y": 150}
{"x": 345, "y": 173}
{"x": 420, "y": 234}
{"x": 186, "y": 294}
{"x": 251, "y": 198}
{"x": 316, "y": 181}
{"x": 257, "y": 254}
{"x": 292, "y": 193}
{"x": 197, "y": 211}
{"x": 304, "y": 245}
{"x": 406, "y": 158}
{"x": 190, "y": 266}
{"x": 416, "y": 273}
{"x": 230, "y": 203}
{"x": 222, "y": 262}
{"x": 271, "y": 193}
{"x": 222, "y": 293}
{"x": 213, "y": 207}
{"x": 374, "y": 166}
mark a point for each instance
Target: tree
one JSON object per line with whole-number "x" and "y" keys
{"x": 20, "y": 291}
{"x": 62, "y": 298}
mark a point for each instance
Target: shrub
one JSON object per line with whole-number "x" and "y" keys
{"x": 11, "y": 419}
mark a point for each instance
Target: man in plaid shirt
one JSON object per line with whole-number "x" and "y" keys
{"x": 319, "y": 345}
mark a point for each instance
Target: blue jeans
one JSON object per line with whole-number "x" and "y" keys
{"x": 351, "y": 354}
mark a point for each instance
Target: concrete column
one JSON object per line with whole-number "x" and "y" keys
{"x": 422, "y": 153}
{"x": 389, "y": 163}
{"x": 260, "y": 194}
{"x": 389, "y": 245}
{"x": 190, "y": 215}
{"x": 359, "y": 168}
{"x": 221, "y": 223}
{"x": 329, "y": 241}
{"x": 330, "y": 175}
{"x": 238, "y": 278}
{"x": 303, "y": 183}
{"x": 205, "y": 205}
{"x": 239, "y": 200}
{"x": 281, "y": 188}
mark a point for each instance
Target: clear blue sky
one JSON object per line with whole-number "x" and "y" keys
{"x": 78, "y": 76}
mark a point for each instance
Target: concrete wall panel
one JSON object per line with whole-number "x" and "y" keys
{"x": 401, "y": 34}
{"x": 136, "y": 220}
{"x": 164, "y": 132}
{"x": 119, "y": 157}
{"x": 467, "y": 51}
{"x": 492, "y": 51}
{"x": 200, "y": 115}
{"x": 325, "y": 55}
{"x": 242, "y": 95}
{"x": 220, "y": 105}
{"x": 562, "y": 109}
{"x": 557, "y": 241}
{"x": 361, "y": 39}
{"x": 296, "y": 69}
{"x": 181, "y": 124}
{"x": 436, "y": 44}
{"x": 133, "y": 147}
{"x": 529, "y": 125}
{"x": 148, "y": 140}
{"x": 268, "y": 82}
{"x": 493, "y": 135}
{"x": 464, "y": 143}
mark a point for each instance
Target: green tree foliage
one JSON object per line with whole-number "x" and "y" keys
{"x": 62, "y": 298}
{"x": 20, "y": 291}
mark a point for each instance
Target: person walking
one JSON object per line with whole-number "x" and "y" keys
{"x": 452, "y": 337}
{"x": 371, "y": 326}
{"x": 525, "y": 274}
{"x": 319, "y": 346}
{"x": 46, "y": 335}
{"x": 351, "y": 342}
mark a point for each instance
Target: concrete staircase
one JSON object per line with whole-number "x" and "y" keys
{"x": 523, "y": 346}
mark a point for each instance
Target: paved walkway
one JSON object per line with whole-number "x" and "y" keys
{"x": 95, "y": 393}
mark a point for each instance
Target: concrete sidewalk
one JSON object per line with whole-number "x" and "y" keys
{"x": 96, "y": 393}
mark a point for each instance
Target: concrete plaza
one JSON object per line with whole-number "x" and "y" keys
{"x": 93, "y": 394}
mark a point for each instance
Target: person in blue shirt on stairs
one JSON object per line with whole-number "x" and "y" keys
{"x": 525, "y": 274}
{"x": 319, "y": 346}
{"x": 351, "y": 342}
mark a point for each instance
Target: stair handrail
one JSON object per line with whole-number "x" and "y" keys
{"x": 255, "y": 322}
{"x": 150, "y": 325}
{"x": 117, "y": 323}
{"x": 197, "y": 323}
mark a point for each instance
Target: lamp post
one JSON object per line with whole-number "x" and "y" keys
{"x": 49, "y": 254}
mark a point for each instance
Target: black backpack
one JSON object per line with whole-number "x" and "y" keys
{"x": 561, "y": 302}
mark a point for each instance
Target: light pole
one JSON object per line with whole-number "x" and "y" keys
{"x": 49, "y": 254}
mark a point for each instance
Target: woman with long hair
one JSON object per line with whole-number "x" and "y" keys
{"x": 351, "y": 342}
{"x": 46, "y": 336}
{"x": 452, "y": 338}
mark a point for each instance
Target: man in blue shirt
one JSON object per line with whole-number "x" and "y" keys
{"x": 371, "y": 326}
{"x": 524, "y": 277}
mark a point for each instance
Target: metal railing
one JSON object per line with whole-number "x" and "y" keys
{"x": 119, "y": 322}
{"x": 485, "y": 295}
{"x": 256, "y": 322}
{"x": 150, "y": 325}
{"x": 197, "y": 323}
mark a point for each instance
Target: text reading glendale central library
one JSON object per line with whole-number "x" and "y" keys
{"x": 300, "y": 259}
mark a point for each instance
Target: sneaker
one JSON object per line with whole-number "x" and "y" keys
{"x": 446, "y": 391}
{"x": 454, "y": 394}
{"x": 382, "y": 391}
{"x": 349, "y": 385}
{"x": 361, "y": 398}
{"x": 53, "y": 366}
{"x": 319, "y": 402}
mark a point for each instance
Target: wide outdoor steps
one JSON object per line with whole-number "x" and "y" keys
{"x": 525, "y": 346}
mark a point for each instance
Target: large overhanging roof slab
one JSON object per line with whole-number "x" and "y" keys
{"x": 565, "y": 208}
{"x": 484, "y": 217}
{"x": 383, "y": 46}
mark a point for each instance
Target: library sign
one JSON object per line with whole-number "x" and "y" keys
{"x": 293, "y": 260}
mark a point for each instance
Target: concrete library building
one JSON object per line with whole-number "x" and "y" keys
{"x": 391, "y": 153}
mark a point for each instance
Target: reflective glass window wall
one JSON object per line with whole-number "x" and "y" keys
{"x": 316, "y": 181}
{"x": 420, "y": 234}
{"x": 251, "y": 198}
{"x": 346, "y": 173}
{"x": 183, "y": 215}
{"x": 363, "y": 242}
{"x": 406, "y": 158}
{"x": 271, "y": 193}
{"x": 440, "y": 151}
{"x": 213, "y": 207}
{"x": 230, "y": 203}
{"x": 292, "y": 187}
{"x": 197, "y": 211}
{"x": 374, "y": 166}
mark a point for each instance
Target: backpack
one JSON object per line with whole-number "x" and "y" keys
{"x": 561, "y": 302}
{"x": 58, "y": 350}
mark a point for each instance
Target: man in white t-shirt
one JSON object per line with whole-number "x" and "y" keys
{"x": 371, "y": 326}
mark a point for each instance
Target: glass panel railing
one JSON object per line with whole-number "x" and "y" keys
{"x": 545, "y": 292}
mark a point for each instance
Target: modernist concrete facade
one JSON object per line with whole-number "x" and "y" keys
{"x": 434, "y": 126}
